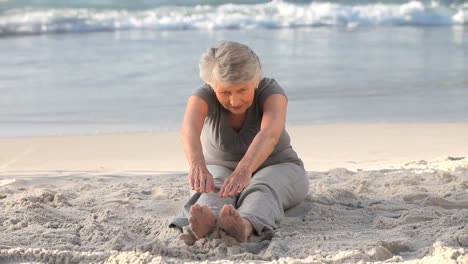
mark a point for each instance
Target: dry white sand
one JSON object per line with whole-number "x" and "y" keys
{"x": 106, "y": 199}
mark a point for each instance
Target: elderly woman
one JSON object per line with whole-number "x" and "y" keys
{"x": 242, "y": 166}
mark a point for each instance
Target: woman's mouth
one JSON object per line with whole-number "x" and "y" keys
{"x": 236, "y": 108}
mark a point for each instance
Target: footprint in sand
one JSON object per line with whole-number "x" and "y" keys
{"x": 411, "y": 198}
{"x": 160, "y": 193}
{"x": 446, "y": 204}
{"x": 396, "y": 247}
{"x": 379, "y": 253}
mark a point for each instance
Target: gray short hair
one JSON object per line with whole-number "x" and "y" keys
{"x": 230, "y": 62}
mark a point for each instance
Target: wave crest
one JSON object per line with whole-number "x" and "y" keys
{"x": 230, "y": 16}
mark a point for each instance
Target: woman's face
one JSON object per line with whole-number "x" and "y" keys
{"x": 236, "y": 98}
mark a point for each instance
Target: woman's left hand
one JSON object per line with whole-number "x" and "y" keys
{"x": 235, "y": 183}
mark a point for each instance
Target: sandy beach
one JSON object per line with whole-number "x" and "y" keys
{"x": 379, "y": 193}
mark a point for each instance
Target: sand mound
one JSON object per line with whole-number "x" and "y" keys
{"x": 414, "y": 214}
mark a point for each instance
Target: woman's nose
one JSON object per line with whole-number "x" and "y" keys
{"x": 235, "y": 101}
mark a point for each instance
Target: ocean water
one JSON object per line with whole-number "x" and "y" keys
{"x": 122, "y": 66}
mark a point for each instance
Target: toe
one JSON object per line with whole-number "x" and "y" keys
{"x": 232, "y": 211}
{"x": 205, "y": 209}
{"x": 224, "y": 210}
{"x": 193, "y": 208}
{"x": 192, "y": 219}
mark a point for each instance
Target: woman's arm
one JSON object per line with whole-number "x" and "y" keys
{"x": 272, "y": 125}
{"x": 273, "y": 122}
{"x": 199, "y": 177}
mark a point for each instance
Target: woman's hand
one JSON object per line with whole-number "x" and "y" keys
{"x": 200, "y": 179}
{"x": 235, "y": 183}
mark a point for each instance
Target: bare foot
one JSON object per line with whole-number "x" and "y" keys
{"x": 202, "y": 220}
{"x": 234, "y": 224}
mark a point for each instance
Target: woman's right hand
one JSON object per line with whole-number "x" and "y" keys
{"x": 200, "y": 179}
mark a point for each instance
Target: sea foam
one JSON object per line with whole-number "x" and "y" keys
{"x": 277, "y": 14}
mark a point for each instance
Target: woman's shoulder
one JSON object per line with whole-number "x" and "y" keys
{"x": 205, "y": 92}
{"x": 267, "y": 87}
{"x": 206, "y": 88}
{"x": 266, "y": 83}
{"x": 208, "y": 95}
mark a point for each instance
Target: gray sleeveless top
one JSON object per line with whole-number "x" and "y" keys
{"x": 223, "y": 145}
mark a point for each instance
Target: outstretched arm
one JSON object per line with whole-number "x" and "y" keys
{"x": 199, "y": 177}
{"x": 272, "y": 125}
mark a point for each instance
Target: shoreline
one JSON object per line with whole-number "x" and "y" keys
{"x": 354, "y": 146}
{"x": 289, "y": 126}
